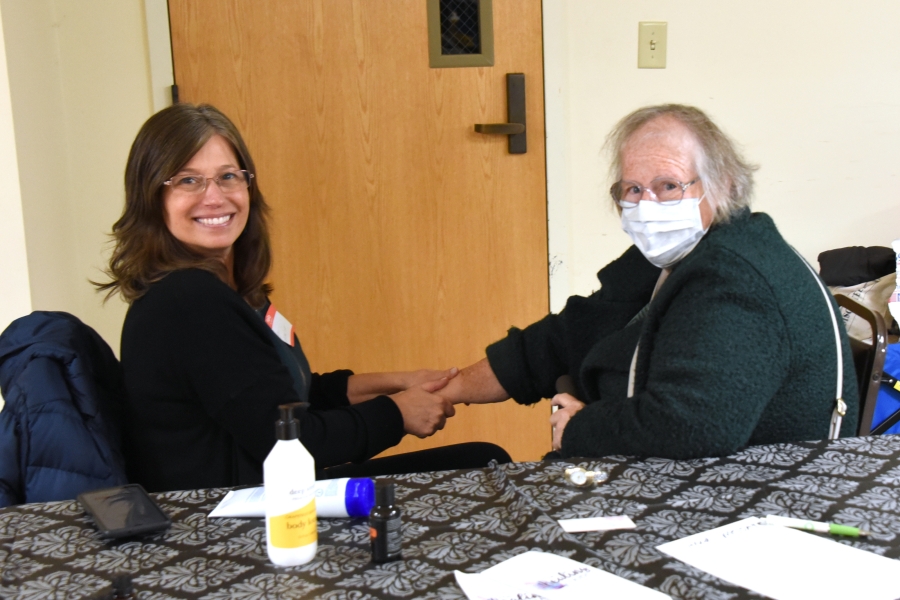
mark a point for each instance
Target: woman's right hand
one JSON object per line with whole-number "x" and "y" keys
{"x": 424, "y": 412}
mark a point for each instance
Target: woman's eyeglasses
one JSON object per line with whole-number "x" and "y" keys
{"x": 229, "y": 181}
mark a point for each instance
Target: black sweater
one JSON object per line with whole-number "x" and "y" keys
{"x": 204, "y": 382}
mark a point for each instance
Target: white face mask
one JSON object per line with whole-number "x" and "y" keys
{"x": 664, "y": 233}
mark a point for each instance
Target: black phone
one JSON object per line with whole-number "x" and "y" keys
{"x": 124, "y": 511}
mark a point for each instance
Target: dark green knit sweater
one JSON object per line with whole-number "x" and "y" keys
{"x": 736, "y": 349}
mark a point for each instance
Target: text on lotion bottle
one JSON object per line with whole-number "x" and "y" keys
{"x": 289, "y": 476}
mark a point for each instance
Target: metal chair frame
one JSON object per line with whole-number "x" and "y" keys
{"x": 869, "y": 362}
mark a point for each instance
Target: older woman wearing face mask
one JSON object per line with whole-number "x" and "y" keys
{"x": 709, "y": 334}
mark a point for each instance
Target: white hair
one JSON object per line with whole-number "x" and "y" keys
{"x": 727, "y": 178}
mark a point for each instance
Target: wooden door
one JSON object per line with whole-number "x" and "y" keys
{"x": 402, "y": 238}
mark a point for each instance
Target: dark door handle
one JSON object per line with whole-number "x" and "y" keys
{"x": 500, "y": 128}
{"x": 515, "y": 114}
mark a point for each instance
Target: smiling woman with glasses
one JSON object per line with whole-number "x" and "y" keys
{"x": 707, "y": 335}
{"x": 207, "y": 359}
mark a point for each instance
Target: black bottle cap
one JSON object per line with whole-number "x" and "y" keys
{"x": 287, "y": 427}
{"x": 122, "y": 586}
{"x": 384, "y": 494}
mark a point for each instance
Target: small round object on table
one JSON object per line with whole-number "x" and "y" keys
{"x": 578, "y": 477}
{"x": 581, "y": 477}
{"x": 600, "y": 476}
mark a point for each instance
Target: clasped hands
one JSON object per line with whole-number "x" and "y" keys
{"x": 424, "y": 412}
{"x": 426, "y": 398}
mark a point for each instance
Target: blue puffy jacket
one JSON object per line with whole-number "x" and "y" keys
{"x": 62, "y": 386}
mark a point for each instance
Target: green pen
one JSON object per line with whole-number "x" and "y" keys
{"x": 832, "y": 528}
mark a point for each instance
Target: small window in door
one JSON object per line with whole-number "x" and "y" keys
{"x": 460, "y": 28}
{"x": 460, "y": 33}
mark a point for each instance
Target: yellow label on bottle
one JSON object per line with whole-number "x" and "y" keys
{"x": 294, "y": 529}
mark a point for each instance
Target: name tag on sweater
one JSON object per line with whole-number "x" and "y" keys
{"x": 281, "y": 326}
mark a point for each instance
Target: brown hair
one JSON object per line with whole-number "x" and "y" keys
{"x": 726, "y": 176}
{"x": 145, "y": 250}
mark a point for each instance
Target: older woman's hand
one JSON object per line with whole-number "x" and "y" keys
{"x": 568, "y": 406}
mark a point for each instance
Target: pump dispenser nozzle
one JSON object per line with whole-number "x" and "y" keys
{"x": 287, "y": 427}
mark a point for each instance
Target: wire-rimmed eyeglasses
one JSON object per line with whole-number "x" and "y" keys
{"x": 228, "y": 181}
{"x": 627, "y": 194}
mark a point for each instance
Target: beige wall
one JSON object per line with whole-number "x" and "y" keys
{"x": 80, "y": 86}
{"x": 810, "y": 88}
{"x": 16, "y": 297}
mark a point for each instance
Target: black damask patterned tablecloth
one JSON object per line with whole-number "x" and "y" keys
{"x": 470, "y": 520}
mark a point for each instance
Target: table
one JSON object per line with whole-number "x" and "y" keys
{"x": 470, "y": 520}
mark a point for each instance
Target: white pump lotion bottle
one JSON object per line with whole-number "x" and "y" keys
{"x": 289, "y": 476}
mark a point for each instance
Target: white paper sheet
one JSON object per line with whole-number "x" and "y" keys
{"x": 541, "y": 575}
{"x": 596, "y": 524}
{"x": 787, "y": 564}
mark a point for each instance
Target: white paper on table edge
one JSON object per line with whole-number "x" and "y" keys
{"x": 810, "y": 544}
{"x": 503, "y": 587}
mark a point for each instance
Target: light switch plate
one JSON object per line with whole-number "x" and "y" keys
{"x": 652, "y": 44}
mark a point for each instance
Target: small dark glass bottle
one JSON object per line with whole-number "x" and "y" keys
{"x": 120, "y": 588}
{"x": 385, "y": 529}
